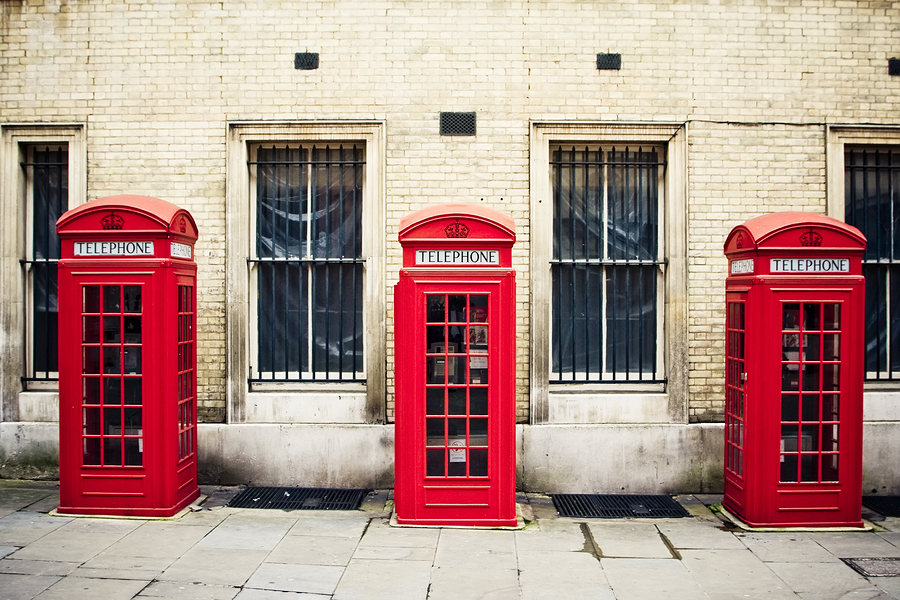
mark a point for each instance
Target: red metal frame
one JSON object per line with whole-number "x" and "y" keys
{"x": 127, "y": 382}
{"x": 455, "y": 376}
{"x": 794, "y": 372}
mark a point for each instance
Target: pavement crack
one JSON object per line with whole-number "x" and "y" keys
{"x": 675, "y": 553}
{"x": 590, "y": 545}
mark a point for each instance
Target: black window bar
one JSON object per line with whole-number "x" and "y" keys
{"x": 606, "y": 267}
{"x": 47, "y": 177}
{"x": 309, "y": 264}
{"x": 872, "y": 204}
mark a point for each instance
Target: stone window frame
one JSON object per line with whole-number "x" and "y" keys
{"x": 619, "y": 402}
{"x": 241, "y": 136}
{"x": 20, "y": 402}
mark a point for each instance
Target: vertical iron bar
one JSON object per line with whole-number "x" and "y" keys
{"x": 357, "y": 235}
{"x": 328, "y": 254}
{"x": 555, "y": 268}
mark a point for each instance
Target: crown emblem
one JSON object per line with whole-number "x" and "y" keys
{"x": 183, "y": 224}
{"x": 740, "y": 240}
{"x": 810, "y": 238}
{"x": 112, "y": 221}
{"x": 457, "y": 230}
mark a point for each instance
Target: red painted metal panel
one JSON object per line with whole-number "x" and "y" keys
{"x": 799, "y": 277}
{"x": 126, "y": 378}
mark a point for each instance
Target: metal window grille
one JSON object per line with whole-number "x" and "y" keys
{"x": 308, "y": 264}
{"x": 46, "y": 172}
{"x": 606, "y": 317}
{"x": 872, "y": 204}
{"x": 457, "y": 123}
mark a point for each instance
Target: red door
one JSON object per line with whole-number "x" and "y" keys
{"x": 108, "y": 420}
{"x": 818, "y": 415}
{"x": 457, "y": 421}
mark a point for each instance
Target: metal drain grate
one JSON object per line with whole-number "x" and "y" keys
{"x": 610, "y": 506}
{"x": 875, "y": 567}
{"x": 295, "y": 498}
{"x": 889, "y": 506}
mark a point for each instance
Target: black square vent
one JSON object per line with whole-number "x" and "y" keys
{"x": 306, "y": 61}
{"x": 457, "y": 123}
{"x": 894, "y": 66}
{"x": 609, "y": 62}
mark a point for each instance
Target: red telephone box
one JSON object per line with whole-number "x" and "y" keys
{"x": 795, "y": 299}
{"x": 455, "y": 368}
{"x": 127, "y": 381}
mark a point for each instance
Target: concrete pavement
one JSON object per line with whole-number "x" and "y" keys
{"x": 221, "y": 553}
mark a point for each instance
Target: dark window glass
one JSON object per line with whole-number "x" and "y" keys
{"x": 606, "y": 263}
{"x": 47, "y": 177}
{"x": 309, "y": 262}
{"x": 872, "y": 204}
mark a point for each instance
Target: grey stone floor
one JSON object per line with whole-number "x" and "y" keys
{"x": 221, "y": 553}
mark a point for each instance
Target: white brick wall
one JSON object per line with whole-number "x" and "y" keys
{"x": 757, "y": 81}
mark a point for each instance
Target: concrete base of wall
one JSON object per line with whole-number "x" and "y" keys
{"x": 551, "y": 458}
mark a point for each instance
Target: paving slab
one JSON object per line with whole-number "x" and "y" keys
{"x": 462, "y": 548}
{"x": 890, "y": 536}
{"x": 159, "y": 539}
{"x": 651, "y": 579}
{"x": 856, "y": 544}
{"x": 795, "y": 547}
{"x": 78, "y": 588}
{"x": 37, "y": 567}
{"x": 118, "y": 566}
{"x": 6, "y": 550}
{"x": 384, "y": 535}
{"x": 215, "y": 566}
{"x": 79, "y": 540}
{"x": 628, "y": 539}
{"x": 545, "y": 575}
{"x": 728, "y": 574}
{"x": 332, "y": 524}
{"x": 384, "y": 580}
{"x": 313, "y": 550}
{"x": 188, "y": 591}
{"x": 310, "y": 579}
{"x": 24, "y": 527}
{"x": 825, "y": 581}
{"x": 473, "y": 581}
{"x": 695, "y": 534}
{"x": 395, "y": 553}
{"x": 889, "y": 585}
{"x": 24, "y": 587}
{"x": 553, "y": 536}
{"x": 16, "y": 495}
{"x": 249, "y": 594}
{"x": 247, "y": 532}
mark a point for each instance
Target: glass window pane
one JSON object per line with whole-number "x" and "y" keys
{"x": 434, "y": 401}
{"x": 111, "y": 299}
{"x": 132, "y": 295}
{"x": 789, "y": 468}
{"x": 457, "y": 401}
{"x": 478, "y": 401}
{"x": 789, "y": 410}
{"x": 90, "y": 333}
{"x": 435, "y": 312}
{"x": 790, "y": 316}
{"x": 434, "y": 462}
{"x": 478, "y": 462}
{"x": 809, "y": 467}
{"x": 91, "y": 301}
{"x": 812, "y": 317}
